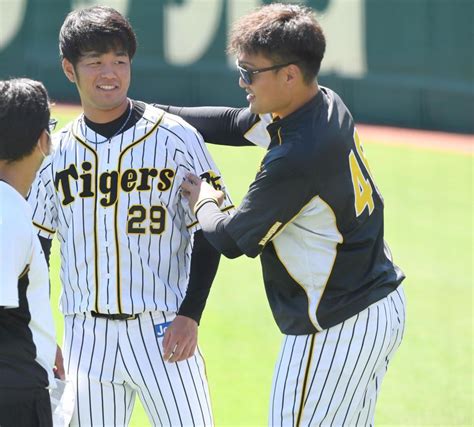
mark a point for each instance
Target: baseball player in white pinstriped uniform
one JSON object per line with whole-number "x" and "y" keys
{"x": 133, "y": 284}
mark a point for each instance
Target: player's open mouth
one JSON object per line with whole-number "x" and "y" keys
{"x": 107, "y": 87}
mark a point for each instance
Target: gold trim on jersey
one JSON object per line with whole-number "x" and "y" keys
{"x": 24, "y": 272}
{"x": 305, "y": 381}
{"x": 280, "y": 141}
{"x": 323, "y": 288}
{"x": 192, "y": 224}
{"x": 207, "y": 380}
{"x": 159, "y": 118}
{"x": 272, "y": 230}
{"x": 42, "y": 227}
{"x": 227, "y": 208}
{"x": 317, "y": 326}
{"x": 96, "y": 244}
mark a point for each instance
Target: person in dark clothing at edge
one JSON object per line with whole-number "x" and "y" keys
{"x": 315, "y": 217}
{"x": 27, "y": 337}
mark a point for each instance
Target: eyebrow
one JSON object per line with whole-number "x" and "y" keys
{"x": 245, "y": 64}
{"x": 95, "y": 54}
{"x": 91, "y": 55}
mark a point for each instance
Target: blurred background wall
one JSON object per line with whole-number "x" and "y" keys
{"x": 398, "y": 62}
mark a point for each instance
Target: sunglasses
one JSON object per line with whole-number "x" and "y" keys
{"x": 52, "y": 125}
{"x": 246, "y": 75}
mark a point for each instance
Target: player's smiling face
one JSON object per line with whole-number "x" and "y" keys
{"x": 102, "y": 80}
{"x": 269, "y": 91}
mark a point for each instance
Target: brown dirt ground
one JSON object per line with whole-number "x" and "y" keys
{"x": 430, "y": 140}
{"x": 419, "y": 139}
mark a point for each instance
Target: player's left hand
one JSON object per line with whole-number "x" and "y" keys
{"x": 59, "y": 364}
{"x": 180, "y": 340}
{"x": 195, "y": 189}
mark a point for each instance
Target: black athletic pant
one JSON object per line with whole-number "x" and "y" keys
{"x": 29, "y": 407}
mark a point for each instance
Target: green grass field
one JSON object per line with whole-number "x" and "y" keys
{"x": 428, "y": 203}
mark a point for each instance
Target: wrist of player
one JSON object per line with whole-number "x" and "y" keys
{"x": 192, "y": 310}
{"x": 204, "y": 200}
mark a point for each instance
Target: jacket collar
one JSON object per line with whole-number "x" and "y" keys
{"x": 294, "y": 119}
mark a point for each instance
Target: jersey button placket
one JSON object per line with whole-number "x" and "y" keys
{"x": 105, "y": 236}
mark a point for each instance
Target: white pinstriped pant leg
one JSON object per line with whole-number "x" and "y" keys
{"x": 333, "y": 378}
{"x": 92, "y": 363}
{"x": 173, "y": 394}
{"x": 110, "y": 361}
{"x": 395, "y": 304}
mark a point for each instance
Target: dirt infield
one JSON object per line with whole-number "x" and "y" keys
{"x": 439, "y": 141}
{"x": 430, "y": 140}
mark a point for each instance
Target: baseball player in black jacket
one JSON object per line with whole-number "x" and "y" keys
{"x": 315, "y": 217}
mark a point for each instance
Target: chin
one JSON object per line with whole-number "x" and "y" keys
{"x": 110, "y": 105}
{"x": 255, "y": 109}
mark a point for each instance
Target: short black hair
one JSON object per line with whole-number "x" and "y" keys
{"x": 95, "y": 29}
{"x": 283, "y": 33}
{"x": 24, "y": 114}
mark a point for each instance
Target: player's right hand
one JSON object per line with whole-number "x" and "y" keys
{"x": 59, "y": 364}
{"x": 195, "y": 190}
{"x": 180, "y": 340}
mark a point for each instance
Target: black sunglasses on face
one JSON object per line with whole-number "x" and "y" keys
{"x": 52, "y": 125}
{"x": 246, "y": 75}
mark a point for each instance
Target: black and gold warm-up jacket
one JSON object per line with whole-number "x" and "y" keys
{"x": 313, "y": 212}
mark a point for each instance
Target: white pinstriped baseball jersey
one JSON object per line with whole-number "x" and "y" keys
{"x": 125, "y": 232}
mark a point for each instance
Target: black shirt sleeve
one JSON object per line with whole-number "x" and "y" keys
{"x": 204, "y": 263}
{"x": 278, "y": 194}
{"x": 46, "y": 246}
{"x": 218, "y": 125}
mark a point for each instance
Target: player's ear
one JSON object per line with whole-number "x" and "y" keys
{"x": 68, "y": 69}
{"x": 44, "y": 143}
{"x": 292, "y": 72}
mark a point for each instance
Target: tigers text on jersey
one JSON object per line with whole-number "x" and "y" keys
{"x": 27, "y": 339}
{"x": 123, "y": 226}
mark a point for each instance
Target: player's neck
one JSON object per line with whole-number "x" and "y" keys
{"x": 100, "y": 116}
{"x": 302, "y": 96}
{"x": 20, "y": 174}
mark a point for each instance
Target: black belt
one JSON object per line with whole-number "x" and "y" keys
{"x": 115, "y": 316}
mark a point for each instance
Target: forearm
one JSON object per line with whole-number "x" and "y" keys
{"x": 213, "y": 223}
{"x": 204, "y": 263}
